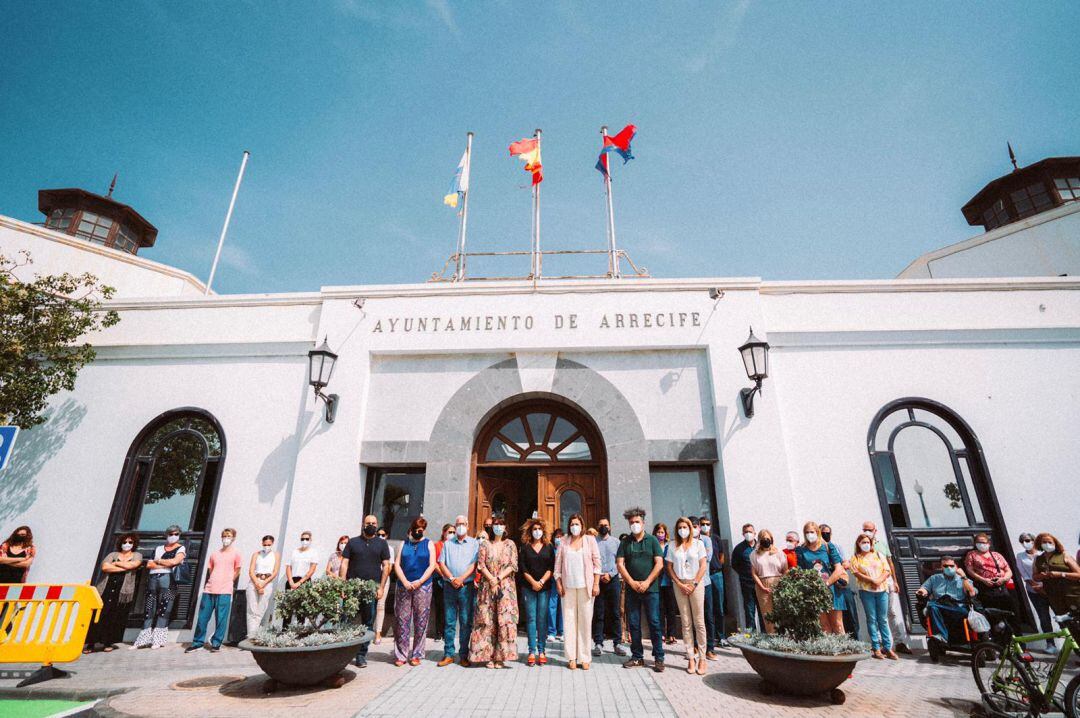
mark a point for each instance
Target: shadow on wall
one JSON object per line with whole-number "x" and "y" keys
{"x": 33, "y": 449}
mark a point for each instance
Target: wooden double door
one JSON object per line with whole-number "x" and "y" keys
{"x": 554, "y": 493}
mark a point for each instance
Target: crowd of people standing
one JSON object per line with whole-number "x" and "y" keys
{"x": 571, "y": 586}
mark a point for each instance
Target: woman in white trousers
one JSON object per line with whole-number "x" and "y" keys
{"x": 577, "y": 579}
{"x": 262, "y": 572}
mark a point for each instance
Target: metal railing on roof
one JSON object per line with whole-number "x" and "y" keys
{"x": 452, "y": 263}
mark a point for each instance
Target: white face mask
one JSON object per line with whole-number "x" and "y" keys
{"x": 127, "y": 546}
{"x": 1028, "y": 545}
{"x": 171, "y": 539}
{"x": 575, "y": 529}
{"x": 697, "y": 532}
{"x": 461, "y": 530}
{"x": 267, "y": 549}
{"x": 498, "y": 529}
{"x": 705, "y": 529}
{"x": 982, "y": 547}
{"x": 792, "y": 544}
{"x": 864, "y": 547}
{"x": 1049, "y": 547}
{"x": 304, "y": 543}
{"x": 341, "y": 546}
{"x": 538, "y": 534}
{"x": 637, "y": 528}
{"x": 683, "y": 532}
{"x": 226, "y": 541}
{"x": 811, "y": 537}
{"x": 749, "y": 536}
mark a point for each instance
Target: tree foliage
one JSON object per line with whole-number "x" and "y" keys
{"x": 798, "y": 598}
{"x": 42, "y": 326}
{"x": 325, "y": 600}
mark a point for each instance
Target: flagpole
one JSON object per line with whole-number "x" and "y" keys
{"x": 464, "y": 209}
{"x": 228, "y": 216}
{"x": 613, "y": 255}
{"x": 537, "y": 261}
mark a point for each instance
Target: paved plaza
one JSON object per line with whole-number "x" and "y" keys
{"x": 169, "y": 683}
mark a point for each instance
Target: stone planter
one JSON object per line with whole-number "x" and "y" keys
{"x": 801, "y": 675}
{"x": 305, "y": 665}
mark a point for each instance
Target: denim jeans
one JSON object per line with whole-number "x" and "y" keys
{"x": 943, "y": 614}
{"x": 607, "y": 603}
{"x": 651, "y": 601}
{"x": 555, "y": 627}
{"x": 876, "y": 606}
{"x": 749, "y": 601}
{"x": 159, "y": 597}
{"x": 217, "y": 605}
{"x": 715, "y": 591}
{"x": 458, "y": 603}
{"x": 536, "y": 616}
{"x": 367, "y": 617}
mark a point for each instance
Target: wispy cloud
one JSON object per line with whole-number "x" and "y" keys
{"x": 443, "y": 11}
{"x": 239, "y": 259}
{"x": 723, "y": 39}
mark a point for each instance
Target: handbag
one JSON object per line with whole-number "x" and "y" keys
{"x": 181, "y": 573}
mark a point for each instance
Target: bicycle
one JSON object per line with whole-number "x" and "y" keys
{"x": 1013, "y": 682}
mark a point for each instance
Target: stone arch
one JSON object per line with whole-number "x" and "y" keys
{"x": 449, "y": 449}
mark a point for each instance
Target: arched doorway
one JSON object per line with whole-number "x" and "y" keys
{"x": 170, "y": 476}
{"x": 538, "y": 456}
{"x": 935, "y": 490}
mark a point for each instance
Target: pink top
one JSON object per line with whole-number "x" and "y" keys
{"x": 592, "y": 559}
{"x": 223, "y": 565}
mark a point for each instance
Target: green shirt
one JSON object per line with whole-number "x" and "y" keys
{"x": 882, "y": 547}
{"x": 640, "y": 557}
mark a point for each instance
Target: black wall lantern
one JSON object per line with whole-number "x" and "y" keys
{"x": 320, "y": 366}
{"x": 755, "y": 357}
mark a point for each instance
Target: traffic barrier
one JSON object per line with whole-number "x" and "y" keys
{"x": 46, "y": 624}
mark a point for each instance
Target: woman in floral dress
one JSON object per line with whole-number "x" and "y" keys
{"x": 494, "y": 633}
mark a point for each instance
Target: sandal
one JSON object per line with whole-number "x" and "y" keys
{"x": 691, "y": 666}
{"x": 489, "y": 664}
{"x": 702, "y": 666}
{"x": 542, "y": 660}
{"x": 531, "y": 660}
{"x": 109, "y": 649}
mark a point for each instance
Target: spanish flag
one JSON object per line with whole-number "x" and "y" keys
{"x": 528, "y": 150}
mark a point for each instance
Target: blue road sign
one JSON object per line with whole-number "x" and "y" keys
{"x": 7, "y": 441}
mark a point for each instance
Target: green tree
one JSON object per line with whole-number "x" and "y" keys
{"x": 41, "y": 325}
{"x": 798, "y": 598}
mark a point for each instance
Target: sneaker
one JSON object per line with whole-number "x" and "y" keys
{"x": 446, "y": 661}
{"x": 214, "y": 649}
{"x": 559, "y": 637}
{"x": 724, "y": 643}
{"x": 596, "y": 650}
{"x": 192, "y": 648}
{"x": 902, "y": 648}
{"x": 620, "y": 650}
{"x": 658, "y": 665}
{"x": 360, "y": 662}
{"x": 542, "y": 660}
{"x": 634, "y": 663}
{"x": 1051, "y": 648}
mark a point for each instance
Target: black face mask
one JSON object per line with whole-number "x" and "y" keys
{"x": 766, "y": 543}
{"x": 417, "y": 534}
{"x": 826, "y": 535}
{"x": 369, "y": 531}
{"x": 605, "y": 530}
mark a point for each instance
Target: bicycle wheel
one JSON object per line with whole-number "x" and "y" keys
{"x": 996, "y": 675}
{"x": 1072, "y": 698}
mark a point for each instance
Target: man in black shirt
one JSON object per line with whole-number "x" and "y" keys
{"x": 367, "y": 557}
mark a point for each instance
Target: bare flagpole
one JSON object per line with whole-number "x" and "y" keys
{"x": 613, "y": 255}
{"x": 467, "y": 171}
{"x": 228, "y": 216}
{"x": 536, "y": 219}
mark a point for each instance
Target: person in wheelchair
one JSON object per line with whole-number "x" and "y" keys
{"x": 948, "y": 593}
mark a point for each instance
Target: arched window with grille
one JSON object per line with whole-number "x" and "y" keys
{"x": 171, "y": 476}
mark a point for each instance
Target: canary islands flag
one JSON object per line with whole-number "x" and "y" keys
{"x": 528, "y": 150}
{"x": 460, "y": 184}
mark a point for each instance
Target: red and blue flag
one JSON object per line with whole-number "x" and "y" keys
{"x": 619, "y": 143}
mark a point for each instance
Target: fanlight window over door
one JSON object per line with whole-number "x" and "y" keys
{"x": 540, "y": 435}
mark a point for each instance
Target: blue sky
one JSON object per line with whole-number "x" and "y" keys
{"x": 782, "y": 140}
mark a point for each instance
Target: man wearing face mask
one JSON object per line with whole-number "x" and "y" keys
{"x": 640, "y": 561}
{"x": 223, "y": 569}
{"x": 949, "y": 591}
{"x": 896, "y": 614}
{"x": 992, "y": 576}
{"x": 607, "y": 603}
{"x": 367, "y": 557}
{"x": 714, "y": 588}
{"x": 791, "y": 542}
{"x": 457, "y": 563}
{"x": 740, "y": 562}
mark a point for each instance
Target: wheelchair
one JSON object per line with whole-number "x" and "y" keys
{"x": 962, "y": 638}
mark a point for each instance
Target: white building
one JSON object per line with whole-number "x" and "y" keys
{"x": 936, "y": 407}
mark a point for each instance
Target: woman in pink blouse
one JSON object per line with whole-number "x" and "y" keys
{"x": 767, "y": 564}
{"x": 577, "y": 578}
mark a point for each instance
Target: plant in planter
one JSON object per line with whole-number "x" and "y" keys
{"x": 800, "y": 658}
{"x": 322, "y": 634}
